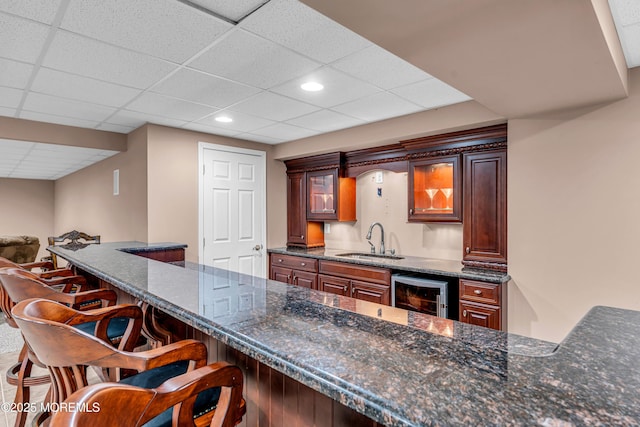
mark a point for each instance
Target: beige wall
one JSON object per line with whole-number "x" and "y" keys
{"x": 443, "y": 241}
{"x": 574, "y": 209}
{"x": 173, "y": 187}
{"x": 84, "y": 200}
{"x": 27, "y": 209}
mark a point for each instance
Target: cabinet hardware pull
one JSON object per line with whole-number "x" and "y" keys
{"x": 302, "y": 237}
{"x": 464, "y": 313}
{"x": 477, "y": 292}
{"x": 303, "y": 264}
{"x": 279, "y": 259}
{"x": 411, "y": 211}
{"x": 344, "y": 289}
{"x": 467, "y": 250}
{"x": 353, "y": 291}
{"x": 289, "y": 277}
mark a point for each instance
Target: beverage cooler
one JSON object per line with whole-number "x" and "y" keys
{"x": 421, "y": 294}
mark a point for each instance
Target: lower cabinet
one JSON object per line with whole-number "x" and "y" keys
{"x": 483, "y": 304}
{"x": 361, "y": 282}
{"x": 294, "y": 270}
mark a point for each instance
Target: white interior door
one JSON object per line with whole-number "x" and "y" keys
{"x": 233, "y": 210}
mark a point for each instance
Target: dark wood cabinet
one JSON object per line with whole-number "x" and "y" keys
{"x": 299, "y": 271}
{"x": 435, "y": 192}
{"x": 330, "y": 196}
{"x": 483, "y": 304}
{"x": 485, "y": 210}
{"x": 301, "y": 232}
{"x": 360, "y": 282}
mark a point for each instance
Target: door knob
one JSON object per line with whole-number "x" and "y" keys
{"x": 258, "y": 247}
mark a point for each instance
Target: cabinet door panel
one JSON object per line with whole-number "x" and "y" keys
{"x": 434, "y": 190}
{"x": 485, "y": 217}
{"x": 480, "y": 315}
{"x": 296, "y": 203}
{"x": 280, "y": 274}
{"x": 334, "y": 285}
{"x": 371, "y": 292}
{"x": 305, "y": 279}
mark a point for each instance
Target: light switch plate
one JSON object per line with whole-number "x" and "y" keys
{"x": 379, "y": 178}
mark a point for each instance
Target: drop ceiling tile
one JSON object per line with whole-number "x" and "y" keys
{"x": 22, "y": 39}
{"x": 325, "y": 121}
{"x": 159, "y": 105}
{"x": 241, "y": 122}
{"x": 274, "y": 107}
{"x": 165, "y": 29}
{"x": 58, "y": 83}
{"x": 338, "y": 88}
{"x": 38, "y": 10}
{"x": 78, "y": 55}
{"x": 631, "y": 45}
{"x": 61, "y": 120}
{"x": 285, "y": 132}
{"x": 135, "y": 119}
{"x": 298, "y": 27}
{"x": 7, "y": 112}
{"x": 252, "y": 60}
{"x": 116, "y": 128}
{"x": 40, "y": 103}
{"x": 376, "y": 107}
{"x": 14, "y": 74}
{"x": 204, "y": 88}
{"x": 431, "y": 93}
{"x": 10, "y": 97}
{"x": 234, "y": 10}
{"x": 214, "y": 130}
{"x": 260, "y": 138}
{"x": 380, "y": 67}
{"x": 14, "y": 145}
{"x": 625, "y": 12}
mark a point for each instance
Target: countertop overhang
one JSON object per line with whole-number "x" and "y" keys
{"x": 399, "y": 368}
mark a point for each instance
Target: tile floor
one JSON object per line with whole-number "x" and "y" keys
{"x": 10, "y": 345}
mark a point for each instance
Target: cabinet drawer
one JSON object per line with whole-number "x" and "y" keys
{"x": 488, "y": 293}
{"x": 298, "y": 263}
{"x": 360, "y": 272}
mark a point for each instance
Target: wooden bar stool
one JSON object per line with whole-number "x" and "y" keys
{"x": 72, "y": 240}
{"x": 45, "y": 324}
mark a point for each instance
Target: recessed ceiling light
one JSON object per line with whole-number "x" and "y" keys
{"x": 224, "y": 119}
{"x": 312, "y": 86}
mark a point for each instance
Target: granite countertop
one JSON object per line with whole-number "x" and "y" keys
{"x": 411, "y": 264}
{"x": 399, "y": 368}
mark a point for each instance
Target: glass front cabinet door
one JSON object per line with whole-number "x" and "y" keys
{"x": 434, "y": 190}
{"x": 322, "y": 187}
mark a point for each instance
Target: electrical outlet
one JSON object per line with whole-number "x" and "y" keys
{"x": 327, "y": 228}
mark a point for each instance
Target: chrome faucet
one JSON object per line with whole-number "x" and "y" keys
{"x": 382, "y": 251}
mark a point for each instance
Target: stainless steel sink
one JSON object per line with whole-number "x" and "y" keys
{"x": 364, "y": 255}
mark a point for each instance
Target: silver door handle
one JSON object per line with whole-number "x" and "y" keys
{"x": 258, "y": 247}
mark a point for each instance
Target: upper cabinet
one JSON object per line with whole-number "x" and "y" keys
{"x": 434, "y": 190}
{"x": 330, "y": 196}
{"x": 317, "y": 191}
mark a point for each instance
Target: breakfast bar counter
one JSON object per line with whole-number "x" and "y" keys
{"x": 316, "y": 358}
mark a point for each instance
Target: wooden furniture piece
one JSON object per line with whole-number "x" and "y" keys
{"x": 435, "y": 190}
{"x": 358, "y": 281}
{"x": 122, "y": 404}
{"x": 317, "y": 190}
{"x": 51, "y": 277}
{"x": 17, "y": 285}
{"x": 72, "y": 240}
{"x": 485, "y": 213}
{"x": 300, "y": 232}
{"x": 299, "y": 271}
{"x": 45, "y": 324}
{"x": 483, "y": 304}
{"x": 453, "y": 177}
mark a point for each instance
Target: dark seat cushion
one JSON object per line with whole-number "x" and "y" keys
{"x": 117, "y": 327}
{"x": 205, "y": 402}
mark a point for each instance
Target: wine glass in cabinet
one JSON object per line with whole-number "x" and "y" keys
{"x": 434, "y": 190}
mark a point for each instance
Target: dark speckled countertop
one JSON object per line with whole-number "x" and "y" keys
{"x": 409, "y": 264}
{"x": 399, "y": 368}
